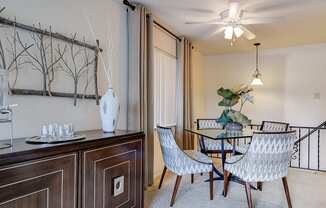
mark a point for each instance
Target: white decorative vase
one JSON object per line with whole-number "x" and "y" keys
{"x": 4, "y": 87}
{"x": 109, "y": 109}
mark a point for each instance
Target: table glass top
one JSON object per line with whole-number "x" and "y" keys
{"x": 219, "y": 134}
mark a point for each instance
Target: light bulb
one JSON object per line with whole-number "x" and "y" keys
{"x": 238, "y": 31}
{"x": 256, "y": 81}
{"x": 228, "y": 32}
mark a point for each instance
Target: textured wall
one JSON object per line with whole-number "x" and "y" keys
{"x": 108, "y": 19}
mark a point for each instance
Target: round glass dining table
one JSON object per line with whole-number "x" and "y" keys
{"x": 224, "y": 136}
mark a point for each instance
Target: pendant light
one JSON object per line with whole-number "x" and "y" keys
{"x": 257, "y": 75}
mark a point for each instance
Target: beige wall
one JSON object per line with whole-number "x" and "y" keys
{"x": 108, "y": 19}
{"x": 292, "y": 77}
{"x": 305, "y": 77}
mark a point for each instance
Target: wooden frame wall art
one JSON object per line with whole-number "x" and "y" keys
{"x": 44, "y": 63}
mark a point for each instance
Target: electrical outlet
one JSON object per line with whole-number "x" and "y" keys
{"x": 118, "y": 185}
{"x": 316, "y": 96}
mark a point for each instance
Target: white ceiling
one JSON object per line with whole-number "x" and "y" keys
{"x": 303, "y": 22}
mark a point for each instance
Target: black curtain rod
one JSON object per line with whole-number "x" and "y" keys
{"x": 167, "y": 30}
{"x": 133, "y": 7}
{"x": 128, "y": 4}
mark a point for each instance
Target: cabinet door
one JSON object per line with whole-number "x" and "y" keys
{"x": 118, "y": 165}
{"x": 46, "y": 183}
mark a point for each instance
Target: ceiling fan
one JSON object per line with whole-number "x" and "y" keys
{"x": 232, "y": 22}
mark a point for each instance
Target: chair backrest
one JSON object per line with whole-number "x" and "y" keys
{"x": 170, "y": 150}
{"x": 208, "y": 124}
{"x": 273, "y": 126}
{"x": 269, "y": 154}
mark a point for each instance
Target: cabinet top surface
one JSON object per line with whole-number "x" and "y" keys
{"x": 93, "y": 138}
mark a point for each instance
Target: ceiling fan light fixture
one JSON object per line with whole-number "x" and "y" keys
{"x": 228, "y": 33}
{"x": 238, "y": 31}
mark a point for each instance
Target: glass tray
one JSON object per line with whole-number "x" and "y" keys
{"x": 51, "y": 140}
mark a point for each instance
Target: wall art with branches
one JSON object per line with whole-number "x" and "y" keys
{"x": 44, "y": 63}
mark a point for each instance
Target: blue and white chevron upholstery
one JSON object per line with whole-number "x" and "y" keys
{"x": 179, "y": 162}
{"x": 267, "y": 158}
{"x": 211, "y": 144}
{"x": 208, "y": 124}
{"x": 274, "y": 126}
{"x": 268, "y": 126}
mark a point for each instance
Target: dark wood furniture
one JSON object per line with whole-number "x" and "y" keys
{"x": 78, "y": 174}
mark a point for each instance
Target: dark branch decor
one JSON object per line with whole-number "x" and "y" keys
{"x": 41, "y": 62}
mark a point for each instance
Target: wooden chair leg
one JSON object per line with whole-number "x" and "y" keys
{"x": 175, "y": 190}
{"x": 248, "y": 194}
{"x": 162, "y": 177}
{"x": 192, "y": 178}
{"x": 211, "y": 185}
{"x": 226, "y": 183}
{"x": 260, "y": 186}
{"x": 287, "y": 192}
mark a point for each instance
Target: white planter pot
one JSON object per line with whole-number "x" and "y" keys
{"x": 109, "y": 109}
{"x": 4, "y": 87}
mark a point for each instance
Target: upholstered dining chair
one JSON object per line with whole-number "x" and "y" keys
{"x": 266, "y": 126}
{"x": 182, "y": 163}
{"x": 274, "y": 126}
{"x": 267, "y": 159}
{"x": 210, "y": 146}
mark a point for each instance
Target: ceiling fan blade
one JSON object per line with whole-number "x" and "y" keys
{"x": 215, "y": 32}
{"x": 198, "y": 10}
{"x": 260, "y": 20}
{"x": 247, "y": 33}
{"x": 190, "y": 10}
{"x": 209, "y": 22}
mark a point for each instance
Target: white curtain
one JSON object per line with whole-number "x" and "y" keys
{"x": 140, "y": 86}
{"x": 165, "y": 70}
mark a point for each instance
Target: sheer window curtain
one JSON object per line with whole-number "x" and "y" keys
{"x": 184, "y": 106}
{"x": 140, "y": 112}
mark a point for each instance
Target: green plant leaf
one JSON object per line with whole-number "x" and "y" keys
{"x": 226, "y": 93}
{"x": 238, "y": 117}
{"x": 224, "y": 118}
{"x": 229, "y": 98}
{"x": 228, "y": 102}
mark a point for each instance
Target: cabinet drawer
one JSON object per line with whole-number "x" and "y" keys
{"x": 103, "y": 166}
{"x": 45, "y": 183}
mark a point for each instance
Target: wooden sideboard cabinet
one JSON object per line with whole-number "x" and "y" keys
{"x": 40, "y": 183}
{"x": 102, "y": 165}
{"x": 102, "y": 171}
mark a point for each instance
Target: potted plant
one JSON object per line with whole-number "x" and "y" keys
{"x": 230, "y": 118}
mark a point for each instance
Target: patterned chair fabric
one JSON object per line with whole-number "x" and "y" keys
{"x": 267, "y": 126}
{"x": 178, "y": 161}
{"x": 272, "y": 126}
{"x": 208, "y": 124}
{"x": 267, "y": 158}
{"x": 210, "y": 144}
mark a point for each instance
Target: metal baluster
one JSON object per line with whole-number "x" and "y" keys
{"x": 299, "y": 148}
{"x": 318, "y": 149}
{"x": 308, "y": 148}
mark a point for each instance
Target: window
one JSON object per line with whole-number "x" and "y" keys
{"x": 165, "y": 72}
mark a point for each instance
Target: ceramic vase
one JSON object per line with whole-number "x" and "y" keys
{"x": 233, "y": 126}
{"x": 4, "y": 87}
{"x": 109, "y": 110}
